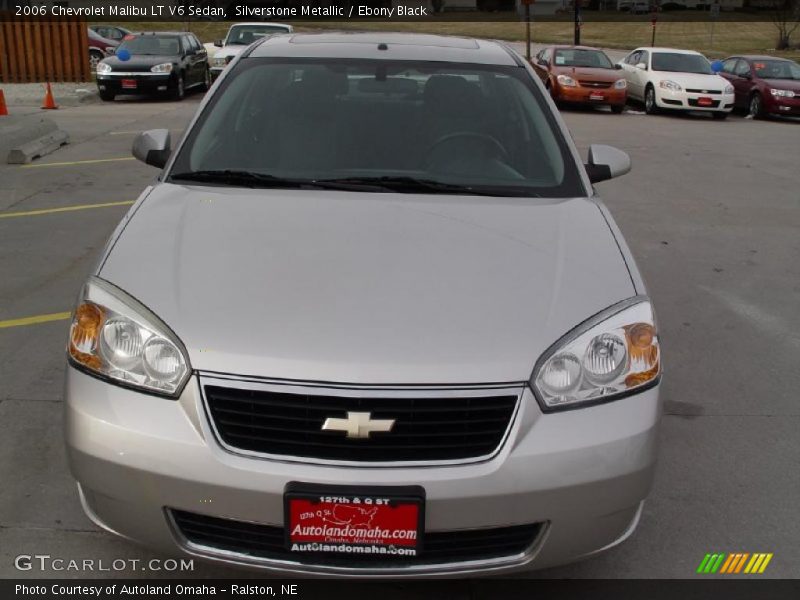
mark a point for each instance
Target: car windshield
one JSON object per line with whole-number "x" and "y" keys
{"x": 380, "y": 126}
{"x": 151, "y": 45}
{"x": 244, "y": 35}
{"x": 777, "y": 69}
{"x": 575, "y": 57}
{"x": 681, "y": 63}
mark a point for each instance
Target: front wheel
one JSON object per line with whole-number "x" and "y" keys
{"x": 720, "y": 116}
{"x": 617, "y": 108}
{"x": 650, "y": 106}
{"x": 180, "y": 89}
{"x": 95, "y": 56}
{"x": 756, "y": 106}
{"x": 106, "y": 96}
{"x": 206, "y": 81}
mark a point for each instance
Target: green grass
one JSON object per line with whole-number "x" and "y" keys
{"x": 730, "y": 37}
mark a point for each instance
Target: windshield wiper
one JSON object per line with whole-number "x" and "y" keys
{"x": 239, "y": 178}
{"x": 243, "y": 178}
{"x": 411, "y": 185}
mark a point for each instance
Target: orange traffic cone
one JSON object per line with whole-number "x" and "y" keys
{"x": 3, "y": 108}
{"x": 49, "y": 101}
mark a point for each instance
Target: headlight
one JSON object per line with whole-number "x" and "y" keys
{"x": 566, "y": 81}
{"x": 666, "y": 84}
{"x": 782, "y": 93}
{"x": 219, "y": 62}
{"x": 620, "y": 84}
{"x": 114, "y": 336}
{"x": 162, "y": 68}
{"x": 728, "y": 89}
{"x": 103, "y": 68}
{"x": 611, "y": 355}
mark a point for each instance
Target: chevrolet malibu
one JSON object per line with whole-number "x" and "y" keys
{"x": 671, "y": 79}
{"x": 371, "y": 319}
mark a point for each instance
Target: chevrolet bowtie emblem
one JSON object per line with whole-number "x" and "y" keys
{"x": 358, "y": 424}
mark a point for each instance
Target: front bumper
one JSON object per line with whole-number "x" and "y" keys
{"x": 582, "y": 473}
{"x": 684, "y": 100}
{"x": 781, "y": 105}
{"x": 584, "y": 95}
{"x": 146, "y": 83}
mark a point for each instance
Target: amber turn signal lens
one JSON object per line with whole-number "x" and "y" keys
{"x": 643, "y": 349}
{"x": 84, "y": 333}
{"x": 641, "y": 335}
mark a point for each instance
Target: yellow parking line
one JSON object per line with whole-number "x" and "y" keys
{"x": 77, "y": 162}
{"x": 62, "y": 316}
{"x": 46, "y": 211}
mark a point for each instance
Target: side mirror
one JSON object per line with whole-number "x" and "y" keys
{"x": 606, "y": 162}
{"x": 152, "y": 147}
{"x": 618, "y": 67}
{"x": 219, "y": 43}
{"x": 747, "y": 75}
{"x": 642, "y": 66}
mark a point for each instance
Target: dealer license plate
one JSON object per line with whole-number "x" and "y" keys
{"x": 357, "y": 521}
{"x": 596, "y": 96}
{"x": 705, "y": 101}
{"x": 128, "y": 84}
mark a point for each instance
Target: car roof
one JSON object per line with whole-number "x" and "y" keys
{"x": 262, "y": 23}
{"x": 571, "y": 47}
{"x": 387, "y": 46}
{"x": 162, "y": 33}
{"x": 760, "y": 57}
{"x": 664, "y": 49}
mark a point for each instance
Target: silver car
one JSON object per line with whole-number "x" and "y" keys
{"x": 371, "y": 319}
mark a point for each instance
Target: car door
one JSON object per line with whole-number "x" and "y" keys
{"x": 538, "y": 65}
{"x": 202, "y": 58}
{"x": 190, "y": 54}
{"x": 728, "y": 73}
{"x": 636, "y": 77}
{"x": 742, "y": 82}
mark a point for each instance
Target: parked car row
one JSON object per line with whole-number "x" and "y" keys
{"x": 167, "y": 62}
{"x": 154, "y": 62}
{"x": 671, "y": 79}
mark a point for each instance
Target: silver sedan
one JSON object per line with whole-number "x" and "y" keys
{"x": 371, "y": 319}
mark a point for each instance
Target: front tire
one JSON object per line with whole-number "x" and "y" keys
{"x": 756, "y": 106}
{"x": 106, "y": 96}
{"x": 617, "y": 108}
{"x": 720, "y": 116}
{"x": 650, "y": 106}
{"x": 179, "y": 93}
{"x": 206, "y": 81}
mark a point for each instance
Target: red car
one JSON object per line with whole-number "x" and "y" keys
{"x": 581, "y": 75}
{"x": 764, "y": 85}
{"x": 99, "y": 48}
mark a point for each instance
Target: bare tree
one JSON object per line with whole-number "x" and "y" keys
{"x": 786, "y": 17}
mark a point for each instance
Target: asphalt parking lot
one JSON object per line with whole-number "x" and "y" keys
{"x": 711, "y": 211}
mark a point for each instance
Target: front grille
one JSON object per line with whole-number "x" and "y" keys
{"x": 713, "y": 104}
{"x": 595, "y": 84}
{"x": 699, "y": 91}
{"x": 428, "y": 428}
{"x": 268, "y": 542}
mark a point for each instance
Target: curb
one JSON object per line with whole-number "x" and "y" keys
{"x": 27, "y": 137}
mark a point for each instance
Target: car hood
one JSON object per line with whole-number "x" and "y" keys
{"x": 590, "y": 73}
{"x": 138, "y": 61}
{"x": 227, "y": 51}
{"x": 784, "y": 84}
{"x": 693, "y": 80}
{"x": 367, "y": 288}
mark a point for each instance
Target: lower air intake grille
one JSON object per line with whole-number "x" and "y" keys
{"x": 439, "y": 547}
